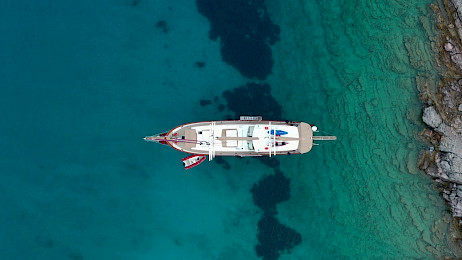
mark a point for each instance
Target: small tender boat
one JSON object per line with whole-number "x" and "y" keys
{"x": 192, "y": 161}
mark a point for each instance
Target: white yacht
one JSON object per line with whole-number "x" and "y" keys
{"x": 248, "y": 136}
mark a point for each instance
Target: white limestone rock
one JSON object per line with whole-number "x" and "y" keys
{"x": 431, "y": 117}
{"x": 451, "y": 142}
{"x": 457, "y": 59}
{"x": 455, "y": 199}
{"x": 458, "y": 24}
{"x": 448, "y": 46}
{"x": 452, "y": 163}
{"x": 456, "y": 164}
{"x": 445, "y": 166}
{"x": 458, "y": 6}
{"x": 455, "y": 177}
{"x": 446, "y": 197}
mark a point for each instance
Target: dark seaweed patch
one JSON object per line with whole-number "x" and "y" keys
{"x": 270, "y": 191}
{"x": 205, "y": 102}
{"x": 245, "y": 31}
{"x": 75, "y": 256}
{"x": 199, "y": 64}
{"x": 162, "y": 25}
{"x": 253, "y": 99}
{"x": 270, "y": 162}
{"x": 135, "y": 3}
{"x": 223, "y": 163}
{"x": 221, "y": 108}
{"x": 275, "y": 237}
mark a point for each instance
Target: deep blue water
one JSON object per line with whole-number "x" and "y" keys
{"x": 81, "y": 83}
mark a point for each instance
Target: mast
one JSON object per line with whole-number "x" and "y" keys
{"x": 269, "y": 132}
{"x": 212, "y": 141}
{"x": 274, "y": 139}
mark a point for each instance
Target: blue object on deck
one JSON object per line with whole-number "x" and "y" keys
{"x": 278, "y": 132}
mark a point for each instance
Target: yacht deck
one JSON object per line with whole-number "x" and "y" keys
{"x": 240, "y": 138}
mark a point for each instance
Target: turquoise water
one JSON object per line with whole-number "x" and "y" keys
{"x": 82, "y": 83}
{"x": 362, "y": 196}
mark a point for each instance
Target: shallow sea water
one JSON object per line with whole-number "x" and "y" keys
{"x": 83, "y": 83}
{"x": 362, "y": 196}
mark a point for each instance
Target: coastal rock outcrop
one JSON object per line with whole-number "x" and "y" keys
{"x": 451, "y": 142}
{"x": 443, "y": 113}
{"x": 452, "y": 164}
{"x": 445, "y": 162}
{"x": 453, "y": 51}
{"x": 431, "y": 117}
{"x": 455, "y": 199}
{"x": 446, "y": 159}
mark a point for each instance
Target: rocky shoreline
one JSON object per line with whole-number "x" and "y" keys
{"x": 443, "y": 112}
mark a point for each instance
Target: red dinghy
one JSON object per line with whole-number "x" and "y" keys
{"x": 192, "y": 161}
